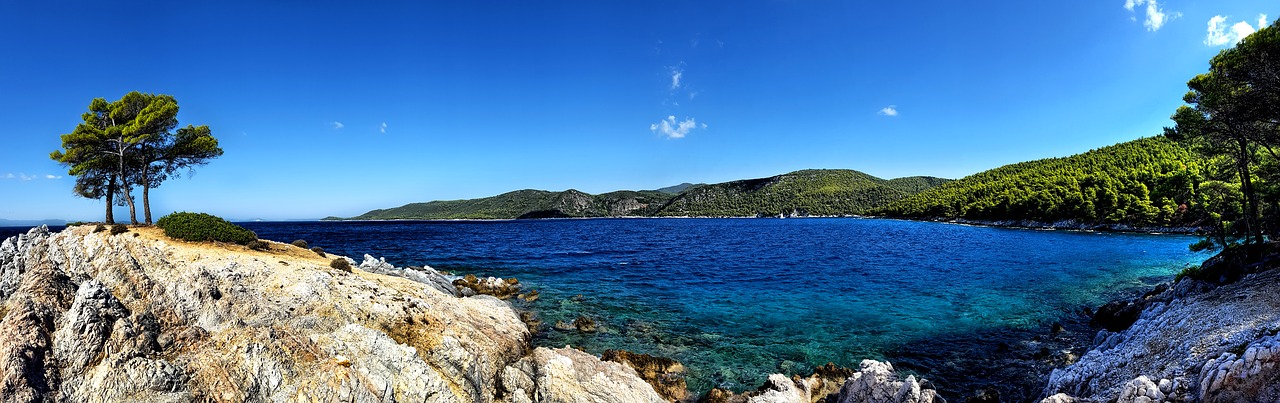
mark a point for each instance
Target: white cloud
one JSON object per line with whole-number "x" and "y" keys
{"x": 1221, "y": 35}
{"x": 674, "y": 130}
{"x": 338, "y": 125}
{"x": 891, "y": 110}
{"x": 9, "y": 176}
{"x": 1156, "y": 16}
{"x": 52, "y": 177}
{"x": 676, "y": 74}
{"x": 383, "y": 128}
{"x": 20, "y": 176}
{"x": 1262, "y": 21}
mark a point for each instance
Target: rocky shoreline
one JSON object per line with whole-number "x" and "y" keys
{"x": 98, "y": 317}
{"x": 1071, "y": 225}
{"x": 1210, "y": 337}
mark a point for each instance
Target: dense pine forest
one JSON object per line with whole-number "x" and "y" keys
{"x": 827, "y": 192}
{"x": 1147, "y": 182}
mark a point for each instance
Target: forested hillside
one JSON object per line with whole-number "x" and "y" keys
{"x": 1148, "y": 181}
{"x": 529, "y": 204}
{"x": 807, "y": 192}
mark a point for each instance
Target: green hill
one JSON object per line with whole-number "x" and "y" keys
{"x": 816, "y": 192}
{"x": 529, "y": 204}
{"x": 1142, "y": 182}
{"x": 807, "y": 192}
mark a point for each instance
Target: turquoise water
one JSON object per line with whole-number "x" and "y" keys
{"x": 737, "y": 299}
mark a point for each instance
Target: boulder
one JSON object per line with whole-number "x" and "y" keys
{"x": 667, "y": 376}
{"x": 1117, "y": 316}
{"x": 567, "y": 375}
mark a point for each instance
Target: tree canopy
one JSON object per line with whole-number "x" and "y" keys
{"x": 131, "y": 143}
{"x": 1232, "y": 112}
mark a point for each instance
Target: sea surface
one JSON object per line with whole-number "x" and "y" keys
{"x": 738, "y": 299}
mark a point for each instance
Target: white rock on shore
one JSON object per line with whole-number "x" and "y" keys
{"x": 1191, "y": 345}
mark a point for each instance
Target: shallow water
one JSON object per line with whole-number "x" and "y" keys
{"x": 737, "y": 299}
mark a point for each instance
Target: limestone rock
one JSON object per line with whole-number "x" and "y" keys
{"x": 425, "y": 275}
{"x": 667, "y": 376}
{"x": 571, "y": 376}
{"x": 875, "y": 382}
{"x": 90, "y": 317}
{"x": 1059, "y": 398}
{"x": 1192, "y": 342}
{"x": 780, "y": 389}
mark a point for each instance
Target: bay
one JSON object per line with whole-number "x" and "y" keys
{"x": 738, "y": 299}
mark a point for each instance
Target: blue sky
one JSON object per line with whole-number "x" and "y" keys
{"x": 342, "y": 108}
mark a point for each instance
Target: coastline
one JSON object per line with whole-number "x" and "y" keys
{"x": 1065, "y": 225}
{"x": 1090, "y": 368}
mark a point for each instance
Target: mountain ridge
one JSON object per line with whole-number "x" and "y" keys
{"x": 799, "y": 193}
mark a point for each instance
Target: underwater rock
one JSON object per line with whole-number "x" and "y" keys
{"x": 529, "y": 296}
{"x": 496, "y": 287}
{"x": 584, "y": 324}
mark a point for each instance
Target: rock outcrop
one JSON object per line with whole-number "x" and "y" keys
{"x": 873, "y": 382}
{"x": 92, "y": 317}
{"x": 667, "y": 376}
{"x": 1193, "y": 342}
{"x": 572, "y": 376}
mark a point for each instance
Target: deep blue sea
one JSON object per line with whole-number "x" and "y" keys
{"x": 737, "y": 299}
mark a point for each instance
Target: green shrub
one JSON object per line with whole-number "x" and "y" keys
{"x": 258, "y": 245}
{"x": 1195, "y": 272}
{"x": 319, "y": 251}
{"x": 200, "y": 227}
{"x": 119, "y": 229}
{"x": 99, "y": 228}
{"x": 300, "y": 243}
{"x": 341, "y": 264}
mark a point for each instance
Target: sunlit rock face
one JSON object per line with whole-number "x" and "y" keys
{"x": 136, "y": 317}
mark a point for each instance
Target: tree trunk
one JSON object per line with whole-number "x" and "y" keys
{"x": 1253, "y": 232}
{"x": 146, "y": 185}
{"x": 111, "y": 193}
{"x": 146, "y": 203}
{"x": 124, "y": 185}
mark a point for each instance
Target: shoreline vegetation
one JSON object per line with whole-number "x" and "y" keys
{"x": 1065, "y": 225}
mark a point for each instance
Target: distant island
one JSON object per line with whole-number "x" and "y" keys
{"x": 812, "y": 192}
